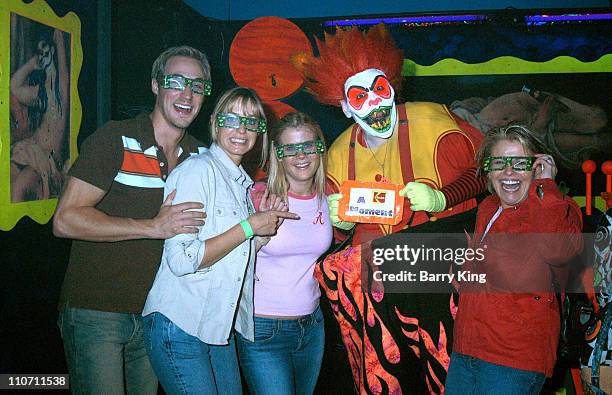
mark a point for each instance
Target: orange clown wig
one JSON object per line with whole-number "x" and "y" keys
{"x": 345, "y": 54}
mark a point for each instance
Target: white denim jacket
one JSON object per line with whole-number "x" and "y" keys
{"x": 204, "y": 302}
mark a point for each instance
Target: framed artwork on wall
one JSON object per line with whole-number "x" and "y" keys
{"x": 40, "y": 62}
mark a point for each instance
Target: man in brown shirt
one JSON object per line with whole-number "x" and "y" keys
{"x": 112, "y": 207}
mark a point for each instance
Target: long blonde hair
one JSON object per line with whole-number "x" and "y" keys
{"x": 277, "y": 178}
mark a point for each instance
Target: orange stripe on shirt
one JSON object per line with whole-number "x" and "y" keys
{"x": 139, "y": 163}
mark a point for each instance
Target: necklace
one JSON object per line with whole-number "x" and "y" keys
{"x": 382, "y": 165}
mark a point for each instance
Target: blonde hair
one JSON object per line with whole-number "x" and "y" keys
{"x": 277, "y": 178}
{"x": 242, "y": 98}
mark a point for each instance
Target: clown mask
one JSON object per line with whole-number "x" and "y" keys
{"x": 369, "y": 100}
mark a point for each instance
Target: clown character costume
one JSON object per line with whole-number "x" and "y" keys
{"x": 396, "y": 342}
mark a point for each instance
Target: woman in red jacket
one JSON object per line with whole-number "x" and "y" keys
{"x": 507, "y": 329}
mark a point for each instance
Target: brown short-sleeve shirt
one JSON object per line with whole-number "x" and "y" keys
{"x": 123, "y": 159}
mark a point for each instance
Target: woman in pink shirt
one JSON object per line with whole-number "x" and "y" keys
{"x": 286, "y": 356}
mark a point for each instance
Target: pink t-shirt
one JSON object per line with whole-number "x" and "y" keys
{"x": 284, "y": 282}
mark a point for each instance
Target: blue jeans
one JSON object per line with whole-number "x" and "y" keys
{"x": 187, "y": 365}
{"x": 286, "y": 355}
{"x": 469, "y": 375}
{"x": 105, "y": 352}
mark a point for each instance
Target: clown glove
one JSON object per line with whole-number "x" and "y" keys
{"x": 333, "y": 201}
{"x": 424, "y": 198}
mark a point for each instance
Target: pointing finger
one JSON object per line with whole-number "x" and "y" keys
{"x": 285, "y": 214}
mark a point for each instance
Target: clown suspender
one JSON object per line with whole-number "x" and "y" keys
{"x": 404, "y": 147}
{"x": 403, "y": 141}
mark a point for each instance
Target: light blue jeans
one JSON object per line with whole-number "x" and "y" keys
{"x": 468, "y": 375}
{"x": 286, "y": 355}
{"x": 186, "y": 365}
{"x": 105, "y": 352}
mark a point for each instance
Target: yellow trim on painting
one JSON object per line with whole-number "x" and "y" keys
{"x": 38, "y": 10}
{"x": 507, "y": 65}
